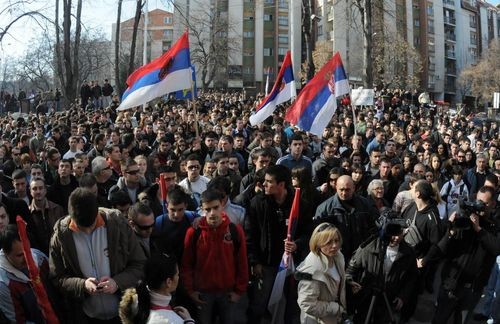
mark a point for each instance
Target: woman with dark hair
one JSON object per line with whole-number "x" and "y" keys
{"x": 149, "y": 302}
{"x": 409, "y": 161}
{"x": 360, "y": 179}
{"x": 329, "y": 188}
{"x": 435, "y": 166}
{"x": 442, "y": 152}
{"x": 301, "y": 178}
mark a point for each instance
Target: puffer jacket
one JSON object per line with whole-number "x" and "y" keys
{"x": 321, "y": 299}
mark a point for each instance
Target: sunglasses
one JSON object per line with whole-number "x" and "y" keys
{"x": 134, "y": 172}
{"x": 193, "y": 167}
{"x": 324, "y": 226}
{"x": 144, "y": 227}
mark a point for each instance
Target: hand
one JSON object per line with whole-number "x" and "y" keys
{"x": 196, "y": 297}
{"x": 91, "y": 285}
{"x": 257, "y": 270}
{"x": 323, "y": 187}
{"x": 182, "y": 312}
{"x": 475, "y": 222}
{"x": 233, "y": 297}
{"x": 420, "y": 263}
{"x": 356, "y": 287}
{"x": 196, "y": 222}
{"x": 398, "y": 303}
{"x": 452, "y": 217}
{"x": 107, "y": 285}
{"x": 290, "y": 246}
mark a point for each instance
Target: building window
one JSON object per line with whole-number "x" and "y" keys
{"x": 282, "y": 50}
{"x": 283, "y": 39}
{"x": 248, "y": 53}
{"x": 268, "y": 52}
{"x": 416, "y": 41}
{"x": 269, "y": 1}
{"x": 283, "y": 20}
{"x": 248, "y": 34}
{"x": 473, "y": 54}
{"x": 168, "y": 33}
{"x": 167, "y": 20}
{"x": 473, "y": 38}
{"x": 320, "y": 30}
{"x": 268, "y": 17}
{"x": 472, "y": 21}
{"x": 430, "y": 9}
{"x": 430, "y": 25}
{"x": 248, "y": 18}
{"x": 417, "y": 23}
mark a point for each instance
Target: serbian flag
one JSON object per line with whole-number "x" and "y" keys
{"x": 317, "y": 102}
{"x": 277, "y": 301}
{"x": 186, "y": 93}
{"x": 38, "y": 288}
{"x": 168, "y": 73}
{"x": 283, "y": 90}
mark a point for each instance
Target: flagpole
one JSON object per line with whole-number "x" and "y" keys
{"x": 194, "y": 109}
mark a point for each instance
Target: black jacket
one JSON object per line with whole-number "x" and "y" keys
{"x": 355, "y": 225}
{"x": 266, "y": 228}
{"x": 399, "y": 282}
{"x": 469, "y": 258}
{"x": 428, "y": 224}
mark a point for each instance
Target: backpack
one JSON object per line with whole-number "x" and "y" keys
{"x": 445, "y": 197}
{"x": 412, "y": 235}
{"x": 233, "y": 231}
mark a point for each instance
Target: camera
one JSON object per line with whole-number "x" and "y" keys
{"x": 462, "y": 220}
{"x": 390, "y": 224}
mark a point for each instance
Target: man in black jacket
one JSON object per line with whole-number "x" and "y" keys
{"x": 266, "y": 229}
{"x": 352, "y": 214}
{"x": 469, "y": 252}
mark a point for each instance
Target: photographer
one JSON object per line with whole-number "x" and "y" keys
{"x": 383, "y": 265}
{"x": 469, "y": 248}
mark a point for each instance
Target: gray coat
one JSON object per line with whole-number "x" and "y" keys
{"x": 321, "y": 299}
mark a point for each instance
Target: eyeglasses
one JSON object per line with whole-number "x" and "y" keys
{"x": 461, "y": 156}
{"x": 107, "y": 168}
{"x": 333, "y": 179}
{"x": 324, "y": 226}
{"x": 144, "y": 227}
{"x": 193, "y": 167}
{"x": 132, "y": 172}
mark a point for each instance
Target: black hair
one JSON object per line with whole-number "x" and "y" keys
{"x": 211, "y": 195}
{"x": 296, "y": 137}
{"x": 139, "y": 208}
{"x": 222, "y": 184}
{"x": 425, "y": 189}
{"x": 119, "y": 198}
{"x": 87, "y": 180}
{"x": 176, "y": 195}
{"x": 280, "y": 173}
{"x": 8, "y": 236}
{"x": 158, "y": 268}
{"x": 18, "y": 174}
{"x": 83, "y": 207}
{"x": 219, "y": 155}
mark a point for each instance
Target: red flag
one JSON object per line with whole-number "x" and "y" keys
{"x": 38, "y": 288}
{"x": 294, "y": 213}
{"x": 163, "y": 188}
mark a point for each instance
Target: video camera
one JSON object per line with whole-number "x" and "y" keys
{"x": 390, "y": 224}
{"x": 462, "y": 220}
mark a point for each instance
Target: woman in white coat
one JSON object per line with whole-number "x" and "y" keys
{"x": 321, "y": 292}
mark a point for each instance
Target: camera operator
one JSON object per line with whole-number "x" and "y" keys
{"x": 469, "y": 249}
{"x": 383, "y": 265}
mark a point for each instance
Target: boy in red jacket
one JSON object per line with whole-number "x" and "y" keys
{"x": 214, "y": 264}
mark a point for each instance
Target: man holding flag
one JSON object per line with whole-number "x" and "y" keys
{"x": 266, "y": 227}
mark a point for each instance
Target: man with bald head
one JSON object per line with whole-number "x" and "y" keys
{"x": 351, "y": 213}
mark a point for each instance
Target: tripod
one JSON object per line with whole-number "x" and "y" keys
{"x": 379, "y": 291}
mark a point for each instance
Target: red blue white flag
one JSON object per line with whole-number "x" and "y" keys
{"x": 283, "y": 90}
{"x": 168, "y": 73}
{"x": 317, "y": 102}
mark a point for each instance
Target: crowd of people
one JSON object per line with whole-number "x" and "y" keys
{"x": 178, "y": 212}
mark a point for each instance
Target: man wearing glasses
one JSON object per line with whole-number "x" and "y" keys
{"x": 142, "y": 222}
{"x": 51, "y": 165}
{"x": 194, "y": 183}
{"x": 102, "y": 173}
{"x": 130, "y": 182}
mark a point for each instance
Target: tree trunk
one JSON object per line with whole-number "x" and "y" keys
{"x": 137, "y": 18}
{"x": 367, "y": 44}
{"x": 76, "y": 49}
{"x": 60, "y": 73}
{"x": 308, "y": 39}
{"x": 118, "y": 86}
{"x": 68, "y": 70}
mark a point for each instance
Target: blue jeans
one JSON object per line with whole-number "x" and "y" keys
{"x": 217, "y": 304}
{"x": 489, "y": 305}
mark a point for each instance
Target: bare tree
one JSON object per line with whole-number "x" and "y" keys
{"x": 137, "y": 18}
{"x": 13, "y": 13}
{"x": 36, "y": 66}
{"x": 308, "y": 38}
{"x": 118, "y": 82}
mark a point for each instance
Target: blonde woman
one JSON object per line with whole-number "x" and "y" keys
{"x": 321, "y": 292}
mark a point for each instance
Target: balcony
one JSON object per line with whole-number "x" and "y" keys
{"x": 450, "y": 54}
{"x": 451, "y": 37}
{"x": 451, "y": 71}
{"x": 450, "y": 3}
{"x": 450, "y": 20}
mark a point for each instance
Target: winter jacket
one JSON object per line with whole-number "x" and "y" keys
{"x": 212, "y": 262}
{"x": 17, "y": 298}
{"x": 355, "y": 225}
{"x": 59, "y": 193}
{"x": 120, "y": 185}
{"x": 321, "y": 299}
{"x": 471, "y": 180}
{"x": 452, "y": 193}
{"x": 42, "y": 224}
{"x": 400, "y": 281}
{"x": 428, "y": 224}
{"x": 126, "y": 260}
